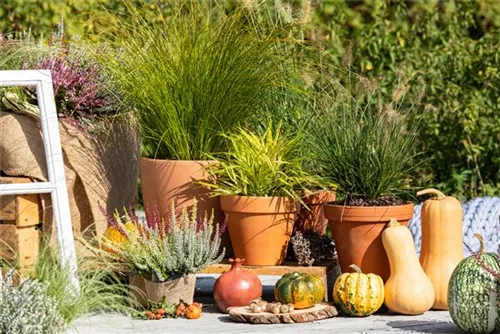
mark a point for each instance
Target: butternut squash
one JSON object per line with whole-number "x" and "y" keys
{"x": 408, "y": 290}
{"x": 441, "y": 250}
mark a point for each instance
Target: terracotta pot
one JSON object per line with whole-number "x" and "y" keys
{"x": 138, "y": 290}
{"x": 312, "y": 217}
{"x": 260, "y": 227}
{"x": 173, "y": 290}
{"x": 165, "y": 180}
{"x": 357, "y": 230}
{"x": 236, "y": 287}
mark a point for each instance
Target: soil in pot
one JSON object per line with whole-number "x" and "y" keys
{"x": 356, "y": 231}
{"x": 260, "y": 227}
{"x": 173, "y": 290}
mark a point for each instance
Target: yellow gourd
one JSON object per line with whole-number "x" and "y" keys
{"x": 441, "y": 249}
{"x": 408, "y": 290}
{"x": 114, "y": 237}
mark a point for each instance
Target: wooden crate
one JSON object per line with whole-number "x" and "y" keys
{"x": 20, "y": 217}
{"x": 327, "y": 271}
{"x": 20, "y": 210}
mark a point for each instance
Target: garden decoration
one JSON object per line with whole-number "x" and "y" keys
{"x": 358, "y": 294}
{"x": 361, "y": 145}
{"x": 408, "y": 290}
{"x": 205, "y": 91}
{"x": 100, "y": 147}
{"x": 302, "y": 290}
{"x": 55, "y": 185}
{"x": 441, "y": 242}
{"x": 262, "y": 312}
{"x": 236, "y": 287}
{"x": 473, "y": 292}
{"x": 167, "y": 254}
{"x": 480, "y": 214}
{"x": 257, "y": 181}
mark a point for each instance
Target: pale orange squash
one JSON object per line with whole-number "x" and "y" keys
{"x": 441, "y": 249}
{"x": 408, "y": 290}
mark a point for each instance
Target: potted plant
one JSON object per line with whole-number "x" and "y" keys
{"x": 164, "y": 255}
{"x": 257, "y": 181}
{"x": 366, "y": 148}
{"x": 191, "y": 77}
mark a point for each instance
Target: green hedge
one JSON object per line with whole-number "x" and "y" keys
{"x": 451, "y": 47}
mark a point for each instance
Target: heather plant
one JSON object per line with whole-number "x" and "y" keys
{"x": 168, "y": 248}
{"x": 27, "y": 308}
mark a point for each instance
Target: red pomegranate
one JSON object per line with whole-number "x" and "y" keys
{"x": 236, "y": 287}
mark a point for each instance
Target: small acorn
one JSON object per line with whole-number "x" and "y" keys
{"x": 256, "y": 308}
{"x": 275, "y": 310}
{"x": 291, "y": 308}
{"x": 284, "y": 309}
{"x": 269, "y": 307}
{"x": 263, "y": 304}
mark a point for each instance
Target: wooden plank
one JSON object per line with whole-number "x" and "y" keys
{"x": 317, "y": 312}
{"x": 287, "y": 267}
{"x": 22, "y": 210}
{"x": 22, "y": 243}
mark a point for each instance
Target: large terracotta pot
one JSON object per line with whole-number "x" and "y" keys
{"x": 173, "y": 290}
{"x": 356, "y": 231}
{"x": 312, "y": 217}
{"x": 260, "y": 227}
{"x": 236, "y": 287}
{"x": 165, "y": 180}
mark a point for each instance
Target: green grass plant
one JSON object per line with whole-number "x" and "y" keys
{"x": 363, "y": 145}
{"x": 102, "y": 288}
{"x": 191, "y": 77}
{"x": 267, "y": 164}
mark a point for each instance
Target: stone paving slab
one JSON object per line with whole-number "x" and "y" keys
{"x": 214, "y": 322}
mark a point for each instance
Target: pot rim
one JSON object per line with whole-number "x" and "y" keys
{"x": 367, "y": 207}
{"x": 180, "y": 162}
{"x": 368, "y": 214}
{"x": 246, "y": 204}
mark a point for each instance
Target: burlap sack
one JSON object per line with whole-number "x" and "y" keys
{"x": 101, "y": 168}
{"x": 173, "y": 290}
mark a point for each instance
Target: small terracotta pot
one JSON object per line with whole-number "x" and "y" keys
{"x": 312, "y": 217}
{"x": 173, "y": 290}
{"x": 260, "y": 227}
{"x": 356, "y": 231}
{"x": 236, "y": 287}
{"x": 138, "y": 290}
{"x": 165, "y": 180}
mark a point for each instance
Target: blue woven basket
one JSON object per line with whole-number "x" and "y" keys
{"x": 481, "y": 215}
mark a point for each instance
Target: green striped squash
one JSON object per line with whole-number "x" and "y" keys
{"x": 474, "y": 293}
{"x": 303, "y": 290}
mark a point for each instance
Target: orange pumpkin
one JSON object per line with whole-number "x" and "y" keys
{"x": 193, "y": 311}
{"x": 113, "y": 236}
{"x": 441, "y": 248}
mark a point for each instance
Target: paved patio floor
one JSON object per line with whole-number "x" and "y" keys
{"x": 214, "y": 322}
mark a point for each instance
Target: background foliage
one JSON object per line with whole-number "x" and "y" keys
{"x": 451, "y": 47}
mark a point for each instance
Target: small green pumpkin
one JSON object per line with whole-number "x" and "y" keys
{"x": 300, "y": 289}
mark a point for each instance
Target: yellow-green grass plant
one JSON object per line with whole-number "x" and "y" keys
{"x": 261, "y": 164}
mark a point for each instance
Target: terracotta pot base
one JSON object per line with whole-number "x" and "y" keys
{"x": 260, "y": 227}
{"x": 357, "y": 231}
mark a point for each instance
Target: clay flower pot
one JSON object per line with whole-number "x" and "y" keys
{"x": 312, "y": 217}
{"x": 260, "y": 227}
{"x": 166, "y": 180}
{"x": 236, "y": 287}
{"x": 357, "y": 231}
{"x": 173, "y": 290}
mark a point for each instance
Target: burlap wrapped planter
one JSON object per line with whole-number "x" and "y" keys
{"x": 173, "y": 290}
{"x": 138, "y": 289}
{"x": 101, "y": 167}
